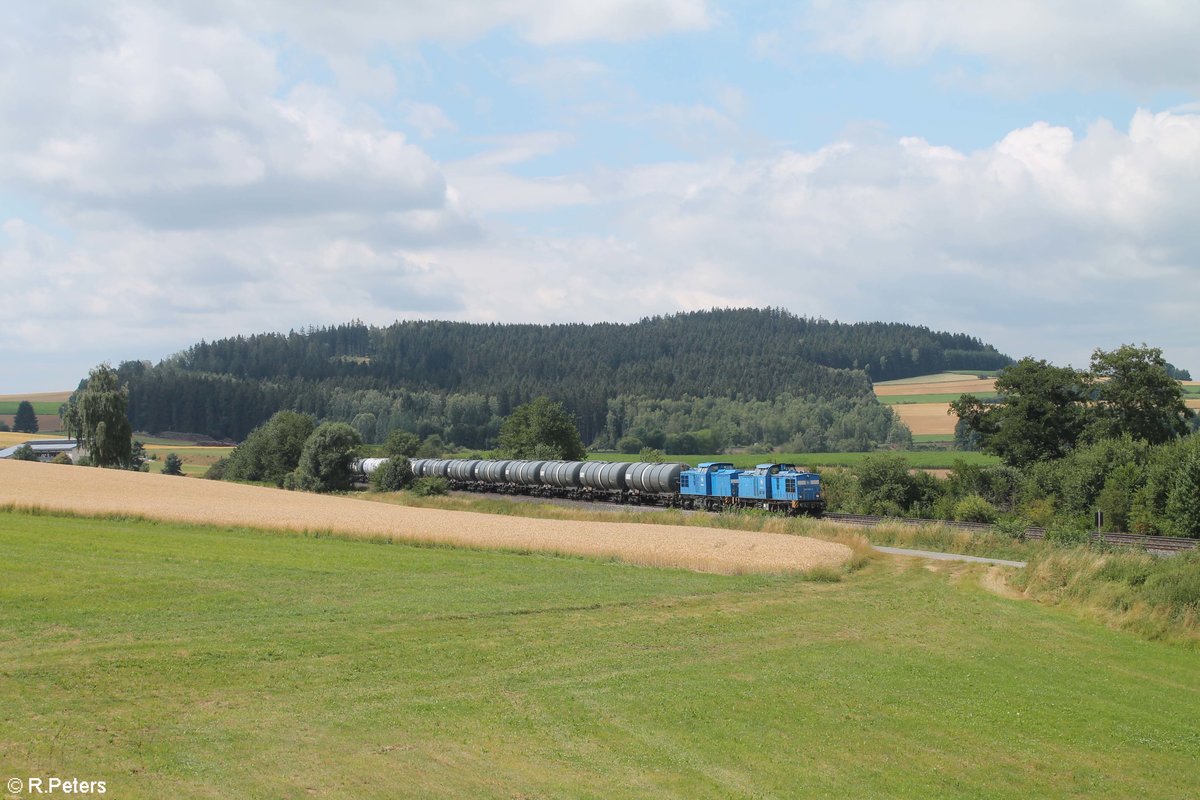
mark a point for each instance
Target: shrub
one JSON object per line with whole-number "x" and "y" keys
{"x": 430, "y": 486}
{"x": 885, "y": 485}
{"x": 629, "y": 444}
{"x": 392, "y": 475}
{"x": 1067, "y": 533}
{"x": 61, "y": 458}
{"x": 432, "y": 447}
{"x": 401, "y": 443}
{"x": 217, "y": 471}
{"x": 24, "y": 453}
{"x": 1012, "y": 527}
{"x": 974, "y": 508}
{"x": 326, "y": 460}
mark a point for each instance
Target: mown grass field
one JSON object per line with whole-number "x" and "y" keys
{"x": 917, "y": 459}
{"x": 196, "y": 460}
{"x": 177, "y": 661}
{"x": 929, "y": 438}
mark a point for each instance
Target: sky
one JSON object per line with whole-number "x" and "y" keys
{"x": 1026, "y": 171}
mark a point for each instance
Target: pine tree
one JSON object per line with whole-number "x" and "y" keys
{"x": 26, "y": 420}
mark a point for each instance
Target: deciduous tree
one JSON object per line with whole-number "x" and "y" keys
{"x": 401, "y": 443}
{"x": 327, "y": 459}
{"x": 1136, "y": 395}
{"x": 541, "y": 429}
{"x": 104, "y": 430}
{"x": 1041, "y": 412}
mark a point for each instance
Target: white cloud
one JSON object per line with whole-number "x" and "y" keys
{"x": 1045, "y": 243}
{"x": 1031, "y": 43}
{"x": 355, "y": 25}
{"x": 427, "y": 119}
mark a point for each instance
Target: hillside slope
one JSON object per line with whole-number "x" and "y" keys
{"x": 228, "y": 386}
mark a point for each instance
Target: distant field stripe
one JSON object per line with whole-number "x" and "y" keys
{"x": 933, "y": 437}
{"x": 941, "y": 377}
{"x": 891, "y": 400}
{"x": 918, "y": 459}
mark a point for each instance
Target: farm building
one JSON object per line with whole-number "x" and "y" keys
{"x": 47, "y": 449}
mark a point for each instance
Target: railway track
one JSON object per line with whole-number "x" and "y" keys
{"x": 1156, "y": 544}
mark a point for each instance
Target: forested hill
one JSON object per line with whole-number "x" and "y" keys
{"x": 744, "y": 354}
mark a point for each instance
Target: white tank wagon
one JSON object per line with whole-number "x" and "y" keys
{"x": 365, "y": 466}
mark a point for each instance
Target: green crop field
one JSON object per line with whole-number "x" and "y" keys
{"x": 177, "y": 661}
{"x": 892, "y": 400}
{"x": 9, "y": 407}
{"x": 917, "y": 459}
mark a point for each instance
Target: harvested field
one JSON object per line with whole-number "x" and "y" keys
{"x": 960, "y": 386}
{"x": 36, "y": 397}
{"x": 107, "y": 492}
{"x": 47, "y": 423}
{"x": 926, "y": 418}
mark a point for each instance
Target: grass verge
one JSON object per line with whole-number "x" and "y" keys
{"x": 1155, "y": 597}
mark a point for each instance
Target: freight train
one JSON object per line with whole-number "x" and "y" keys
{"x": 712, "y": 486}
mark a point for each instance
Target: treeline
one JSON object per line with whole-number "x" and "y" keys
{"x": 1117, "y": 438}
{"x": 1137, "y": 487}
{"x": 458, "y": 380}
{"x": 712, "y": 424}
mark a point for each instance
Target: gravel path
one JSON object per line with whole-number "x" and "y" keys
{"x": 900, "y": 551}
{"x": 193, "y": 500}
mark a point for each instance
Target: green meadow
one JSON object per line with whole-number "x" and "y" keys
{"x": 180, "y": 661}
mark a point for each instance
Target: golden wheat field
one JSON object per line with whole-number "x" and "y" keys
{"x": 9, "y": 438}
{"x": 96, "y": 491}
{"x": 926, "y": 418}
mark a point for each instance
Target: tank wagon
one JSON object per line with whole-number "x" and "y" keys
{"x": 711, "y": 486}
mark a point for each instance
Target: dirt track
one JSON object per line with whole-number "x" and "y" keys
{"x": 96, "y": 491}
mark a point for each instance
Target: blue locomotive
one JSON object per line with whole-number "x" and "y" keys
{"x": 775, "y": 487}
{"x": 711, "y": 486}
